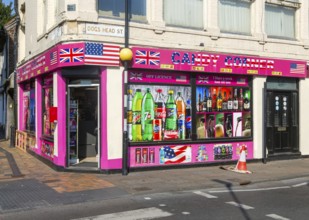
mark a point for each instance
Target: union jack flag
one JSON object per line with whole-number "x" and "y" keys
{"x": 136, "y": 76}
{"x": 177, "y": 154}
{"x": 147, "y": 57}
{"x": 71, "y": 55}
{"x": 203, "y": 79}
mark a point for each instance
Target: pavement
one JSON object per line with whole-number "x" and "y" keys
{"x": 28, "y": 183}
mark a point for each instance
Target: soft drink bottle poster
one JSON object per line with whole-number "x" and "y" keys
{"x": 160, "y": 112}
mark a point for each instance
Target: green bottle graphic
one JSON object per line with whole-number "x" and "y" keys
{"x": 171, "y": 117}
{"x": 136, "y": 116}
{"x": 147, "y": 116}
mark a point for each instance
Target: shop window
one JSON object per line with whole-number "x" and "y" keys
{"x": 159, "y": 113}
{"x": 235, "y": 16}
{"x": 223, "y": 111}
{"x": 48, "y": 126}
{"x": 178, "y": 109}
{"x": 116, "y": 9}
{"x": 29, "y": 107}
{"x": 184, "y": 13}
{"x": 280, "y": 21}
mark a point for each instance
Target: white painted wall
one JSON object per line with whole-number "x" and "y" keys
{"x": 114, "y": 113}
{"x": 303, "y": 116}
{"x": 258, "y": 111}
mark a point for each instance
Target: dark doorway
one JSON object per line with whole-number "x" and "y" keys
{"x": 83, "y": 120}
{"x": 282, "y": 122}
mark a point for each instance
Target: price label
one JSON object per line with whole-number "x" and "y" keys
{"x": 276, "y": 73}
{"x": 167, "y": 66}
{"x": 226, "y": 70}
{"x": 198, "y": 68}
{"x": 252, "y": 72}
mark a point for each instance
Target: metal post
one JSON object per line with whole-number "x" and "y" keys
{"x": 125, "y": 73}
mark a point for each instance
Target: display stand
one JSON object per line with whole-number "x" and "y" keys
{"x": 73, "y": 132}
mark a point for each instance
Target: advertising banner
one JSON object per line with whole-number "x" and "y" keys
{"x": 200, "y": 61}
{"x": 145, "y": 156}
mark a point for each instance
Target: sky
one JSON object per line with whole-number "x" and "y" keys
{"x": 6, "y": 2}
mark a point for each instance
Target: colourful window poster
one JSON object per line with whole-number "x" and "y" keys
{"x": 188, "y": 154}
{"x": 47, "y": 149}
{"x": 26, "y": 111}
{"x": 175, "y": 154}
{"x": 159, "y": 113}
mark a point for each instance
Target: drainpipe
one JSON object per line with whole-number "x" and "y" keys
{"x": 14, "y": 126}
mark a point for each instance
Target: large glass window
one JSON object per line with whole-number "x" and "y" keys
{"x": 280, "y": 21}
{"x": 116, "y": 9}
{"x": 48, "y": 127}
{"x": 29, "y": 107}
{"x": 235, "y": 16}
{"x": 184, "y": 13}
{"x": 223, "y": 112}
{"x": 168, "y": 106}
{"x": 158, "y": 113}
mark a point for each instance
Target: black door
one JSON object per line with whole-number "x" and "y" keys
{"x": 281, "y": 122}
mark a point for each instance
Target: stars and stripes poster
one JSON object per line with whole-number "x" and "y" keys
{"x": 296, "y": 68}
{"x": 101, "y": 54}
{"x": 53, "y": 57}
{"x": 175, "y": 154}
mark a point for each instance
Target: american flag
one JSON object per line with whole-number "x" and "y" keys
{"x": 147, "y": 57}
{"x": 177, "y": 154}
{"x": 102, "y": 54}
{"x": 53, "y": 57}
{"x": 180, "y": 78}
{"x": 241, "y": 80}
{"x": 71, "y": 55}
{"x": 297, "y": 68}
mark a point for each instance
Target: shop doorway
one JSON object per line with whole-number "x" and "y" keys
{"x": 83, "y": 126}
{"x": 281, "y": 122}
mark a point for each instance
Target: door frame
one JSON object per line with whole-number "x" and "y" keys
{"x": 293, "y": 126}
{"x": 94, "y": 85}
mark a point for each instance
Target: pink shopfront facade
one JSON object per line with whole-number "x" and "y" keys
{"x": 212, "y": 116}
{"x": 184, "y": 107}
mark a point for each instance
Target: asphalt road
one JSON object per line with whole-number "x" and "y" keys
{"x": 274, "y": 200}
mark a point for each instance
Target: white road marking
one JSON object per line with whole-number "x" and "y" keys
{"x": 277, "y": 217}
{"x": 300, "y": 184}
{"x": 249, "y": 190}
{"x": 147, "y": 213}
{"x": 205, "y": 195}
{"x": 186, "y": 213}
{"x": 147, "y": 198}
{"x": 162, "y": 205}
{"x": 240, "y": 205}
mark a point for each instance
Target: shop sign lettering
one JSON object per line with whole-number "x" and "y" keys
{"x": 200, "y": 59}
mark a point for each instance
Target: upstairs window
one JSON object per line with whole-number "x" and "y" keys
{"x": 280, "y": 21}
{"x": 116, "y": 9}
{"x": 184, "y": 13}
{"x": 235, "y": 16}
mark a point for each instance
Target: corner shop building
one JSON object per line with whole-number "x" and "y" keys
{"x": 71, "y": 112}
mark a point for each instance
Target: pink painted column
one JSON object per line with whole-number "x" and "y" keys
{"x": 39, "y": 116}
{"x": 62, "y": 120}
{"x": 20, "y": 107}
{"x": 103, "y": 116}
